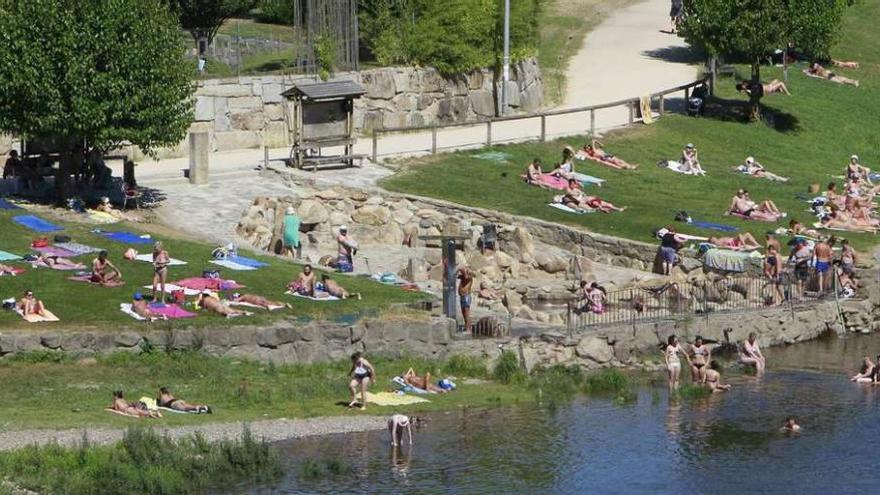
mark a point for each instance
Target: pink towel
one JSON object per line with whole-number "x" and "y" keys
{"x": 199, "y": 283}
{"x": 745, "y": 217}
{"x": 56, "y": 251}
{"x": 552, "y": 181}
{"x": 171, "y": 311}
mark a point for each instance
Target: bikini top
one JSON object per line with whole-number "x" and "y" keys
{"x": 701, "y": 350}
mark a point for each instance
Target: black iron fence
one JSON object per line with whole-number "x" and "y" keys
{"x": 674, "y": 300}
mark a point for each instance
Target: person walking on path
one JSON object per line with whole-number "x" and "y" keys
{"x": 675, "y": 13}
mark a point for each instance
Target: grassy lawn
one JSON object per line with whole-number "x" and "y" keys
{"x": 563, "y": 25}
{"x": 810, "y": 139}
{"x": 45, "y": 390}
{"x": 248, "y": 28}
{"x": 81, "y": 305}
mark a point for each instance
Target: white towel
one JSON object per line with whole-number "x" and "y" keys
{"x": 126, "y": 308}
{"x": 328, "y": 298}
{"x": 169, "y": 288}
{"x": 148, "y": 257}
{"x": 232, "y": 265}
{"x": 568, "y": 209}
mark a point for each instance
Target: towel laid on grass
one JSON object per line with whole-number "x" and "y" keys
{"x": 34, "y": 318}
{"x": 551, "y": 181}
{"x": 101, "y": 217}
{"x": 36, "y": 223}
{"x": 169, "y": 288}
{"x": 56, "y": 266}
{"x": 756, "y": 219}
{"x": 127, "y": 238}
{"x": 568, "y": 209}
{"x": 244, "y": 260}
{"x": 15, "y": 272}
{"x": 148, "y": 257}
{"x": 88, "y": 279}
{"x": 587, "y": 180}
{"x": 675, "y": 166}
{"x": 393, "y": 399}
{"x": 720, "y": 227}
{"x": 6, "y": 205}
{"x": 5, "y": 256}
{"x": 327, "y": 298}
{"x": 127, "y": 309}
{"x": 55, "y": 251}
{"x": 76, "y": 248}
{"x": 250, "y": 305}
{"x": 200, "y": 283}
{"x": 171, "y": 311}
{"x": 232, "y": 265}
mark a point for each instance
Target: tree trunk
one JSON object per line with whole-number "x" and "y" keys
{"x": 755, "y": 93}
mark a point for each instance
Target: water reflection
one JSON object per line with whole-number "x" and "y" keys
{"x": 724, "y": 443}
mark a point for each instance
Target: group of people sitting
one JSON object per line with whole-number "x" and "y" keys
{"x": 851, "y": 209}
{"x": 307, "y": 284}
{"x": 742, "y": 205}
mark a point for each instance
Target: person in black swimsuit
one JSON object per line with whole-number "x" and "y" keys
{"x": 167, "y": 400}
{"x": 773, "y": 270}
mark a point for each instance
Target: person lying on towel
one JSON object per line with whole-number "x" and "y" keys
{"x": 30, "y": 305}
{"x": 741, "y": 242}
{"x": 141, "y": 307}
{"x": 259, "y": 301}
{"x": 594, "y": 151}
{"x": 755, "y": 169}
{"x": 207, "y": 300}
{"x": 575, "y": 199}
{"x": 138, "y": 409}
{"x": 422, "y": 382}
{"x": 7, "y": 270}
{"x": 334, "y": 289}
{"x": 167, "y": 400}
{"x": 741, "y": 204}
{"x": 774, "y": 86}
{"x": 53, "y": 260}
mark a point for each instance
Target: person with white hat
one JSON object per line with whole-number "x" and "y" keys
{"x": 291, "y": 240}
{"x": 347, "y": 250}
{"x": 690, "y": 161}
{"x": 855, "y": 170}
{"x": 755, "y": 169}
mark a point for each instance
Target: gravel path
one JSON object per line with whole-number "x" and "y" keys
{"x": 271, "y": 430}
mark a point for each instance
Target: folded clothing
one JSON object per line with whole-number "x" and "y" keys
{"x": 36, "y": 223}
{"x": 148, "y": 257}
{"x": 200, "y": 283}
{"x": 55, "y": 251}
{"x": 127, "y": 238}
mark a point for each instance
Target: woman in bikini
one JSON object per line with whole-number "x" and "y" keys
{"x": 741, "y": 242}
{"x": 774, "y": 86}
{"x": 260, "y": 301}
{"x": 712, "y": 378}
{"x": 866, "y": 373}
{"x": 534, "y": 173}
{"x": 742, "y": 204}
{"x": 362, "y": 374}
{"x": 207, "y": 300}
{"x": 673, "y": 363}
{"x": 773, "y": 270}
{"x": 565, "y": 169}
{"x": 820, "y": 72}
{"x": 121, "y": 405}
{"x": 701, "y": 354}
{"x": 52, "y": 260}
{"x": 575, "y": 198}
{"x": 165, "y": 399}
{"x": 594, "y": 151}
{"x": 30, "y": 305}
{"x": 161, "y": 260}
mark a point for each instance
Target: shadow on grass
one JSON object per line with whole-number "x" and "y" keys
{"x": 727, "y": 110}
{"x": 676, "y": 54}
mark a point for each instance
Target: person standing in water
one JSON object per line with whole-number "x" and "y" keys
{"x": 673, "y": 363}
{"x": 701, "y": 355}
{"x": 791, "y": 425}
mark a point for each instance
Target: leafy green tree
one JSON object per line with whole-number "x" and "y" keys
{"x": 91, "y": 74}
{"x": 202, "y": 18}
{"x": 752, "y": 29}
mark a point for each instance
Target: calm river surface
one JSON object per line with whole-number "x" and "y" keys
{"x": 727, "y": 443}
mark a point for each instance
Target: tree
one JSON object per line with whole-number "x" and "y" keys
{"x": 202, "y": 18}
{"x": 752, "y": 29}
{"x": 91, "y": 74}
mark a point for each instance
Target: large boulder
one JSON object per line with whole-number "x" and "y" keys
{"x": 595, "y": 349}
{"x": 503, "y": 260}
{"x": 313, "y": 211}
{"x": 339, "y": 218}
{"x": 551, "y": 263}
{"x": 524, "y": 245}
{"x": 390, "y": 235}
{"x": 401, "y": 216}
{"x": 370, "y": 214}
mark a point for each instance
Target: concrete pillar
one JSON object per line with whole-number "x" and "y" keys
{"x": 199, "y": 145}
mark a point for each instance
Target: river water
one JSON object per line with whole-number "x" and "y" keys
{"x": 726, "y": 443}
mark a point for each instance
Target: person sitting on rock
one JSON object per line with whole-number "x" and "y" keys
{"x": 167, "y": 400}
{"x": 304, "y": 284}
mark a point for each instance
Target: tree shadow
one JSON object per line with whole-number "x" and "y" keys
{"x": 677, "y": 54}
{"x": 729, "y": 110}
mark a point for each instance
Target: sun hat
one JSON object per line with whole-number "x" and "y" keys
{"x": 290, "y": 210}
{"x": 137, "y": 296}
{"x": 750, "y": 160}
{"x": 690, "y": 146}
{"x": 343, "y": 228}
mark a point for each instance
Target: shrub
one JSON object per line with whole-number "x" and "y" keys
{"x": 275, "y": 11}
{"x": 507, "y": 369}
{"x": 465, "y": 366}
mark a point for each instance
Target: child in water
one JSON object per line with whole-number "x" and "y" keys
{"x": 791, "y": 425}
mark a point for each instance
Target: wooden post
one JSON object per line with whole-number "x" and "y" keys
{"x": 265, "y": 158}
{"x": 592, "y": 123}
{"x": 661, "y": 104}
{"x": 488, "y": 133}
{"x": 543, "y": 128}
{"x": 632, "y": 112}
{"x": 434, "y": 140}
{"x": 375, "y": 145}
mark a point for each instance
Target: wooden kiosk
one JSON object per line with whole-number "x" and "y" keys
{"x": 319, "y": 117}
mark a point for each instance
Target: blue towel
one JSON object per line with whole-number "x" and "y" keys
{"x": 6, "y": 205}
{"x": 242, "y": 260}
{"x": 36, "y": 223}
{"x": 4, "y": 256}
{"x": 126, "y": 238}
{"x": 713, "y": 226}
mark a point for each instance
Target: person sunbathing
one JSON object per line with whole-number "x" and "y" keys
{"x": 304, "y": 284}
{"x": 259, "y": 301}
{"x": 816, "y": 70}
{"x": 7, "y": 270}
{"x": 774, "y": 86}
{"x": 742, "y": 204}
{"x": 103, "y": 271}
{"x": 835, "y": 220}
{"x": 845, "y": 64}
{"x": 334, "y": 289}
{"x": 423, "y": 383}
{"x": 30, "y": 305}
{"x": 856, "y": 171}
{"x": 866, "y": 372}
{"x": 755, "y": 169}
{"x": 594, "y": 151}
{"x": 141, "y": 307}
{"x": 563, "y": 170}
{"x": 534, "y": 173}
{"x": 52, "y": 260}
{"x": 741, "y": 242}
{"x": 488, "y": 293}
{"x": 690, "y": 161}
{"x": 833, "y": 197}
{"x": 207, "y": 300}
{"x": 796, "y": 228}
{"x": 104, "y": 206}
{"x": 575, "y": 198}
{"x": 121, "y": 405}
{"x": 167, "y": 400}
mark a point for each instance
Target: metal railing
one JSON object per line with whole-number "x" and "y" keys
{"x": 658, "y": 101}
{"x": 676, "y": 300}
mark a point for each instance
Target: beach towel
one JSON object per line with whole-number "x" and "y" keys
{"x": 176, "y": 411}
{"x": 551, "y": 181}
{"x": 169, "y": 288}
{"x": 101, "y": 217}
{"x": 6, "y": 256}
{"x": 6, "y": 205}
{"x": 250, "y": 305}
{"x": 114, "y": 411}
{"x": 232, "y": 265}
{"x": 127, "y": 309}
{"x": 56, "y": 266}
{"x": 199, "y": 284}
{"x": 675, "y": 166}
{"x": 33, "y": 318}
{"x": 568, "y": 209}
{"x": 720, "y": 227}
{"x": 15, "y": 272}
{"x": 88, "y": 279}
{"x": 645, "y": 109}
{"x": 245, "y": 261}
{"x": 55, "y": 251}
{"x": 36, "y": 223}
{"x": 730, "y": 261}
{"x": 327, "y": 298}
{"x": 746, "y": 217}
{"x": 171, "y": 311}
{"x": 76, "y": 248}
{"x": 406, "y": 387}
{"x": 127, "y": 238}
{"x": 393, "y": 399}
{"x": 587, "y": 180}
{"x": 148, "y": 257}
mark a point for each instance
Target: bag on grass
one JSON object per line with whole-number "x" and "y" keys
{"x": 212, "y": 274}
{"x": 682, "y": 216}
{"x": 62, "y": 238}
{"x": 40, "y": 242}
{"x": 178, "y": 296}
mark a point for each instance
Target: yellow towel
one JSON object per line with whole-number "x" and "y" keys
{"x": 645, "y": 107}
{"x": 392, "y": 399}
{"x": 102, "y": 217}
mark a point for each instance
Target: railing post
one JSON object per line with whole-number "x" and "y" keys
{"x": 488, "y": 133}
{"x": 375, "y": 145}
{"x": 592, "y": 123}
{"x": 662, "y": 104}
{"x": 632, "y": 112}
{"x": 434, "y": 140}
{"x": 265, "y": 158}
{"x": 543, "y": 128}
{"x": 687, "y": 94}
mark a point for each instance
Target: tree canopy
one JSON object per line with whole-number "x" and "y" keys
{"x": 202, "y": 18}
{"x": 752, "y": 29}
{"x": 98, "y": 72}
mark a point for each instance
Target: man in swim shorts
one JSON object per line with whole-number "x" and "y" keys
{"x": 822, "y": 254}
{"x": 465, "y": 282}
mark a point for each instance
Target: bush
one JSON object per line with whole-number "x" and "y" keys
{"x": 275, "y": 11}
{"x": 465, "y": 366}
{"x": 507, "y": 369}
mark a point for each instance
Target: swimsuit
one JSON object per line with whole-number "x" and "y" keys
{"x": 465, "y": 301}
{"x": 361, "y": 372}
{"x": 822, "y": 266}
{"x": 700, "y": 351}
{"x": 672, "y": 356}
